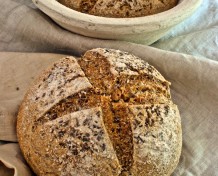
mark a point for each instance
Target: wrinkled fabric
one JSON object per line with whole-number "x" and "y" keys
{"x": 25, "y": 28}
{"x": 198, "y": 35}
{"x": 12, "y": 162}
{"x": 194, "y": 77}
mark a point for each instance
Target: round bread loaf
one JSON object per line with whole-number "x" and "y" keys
{"x": 108, "y": 113}
{"x": 120, "y": 8}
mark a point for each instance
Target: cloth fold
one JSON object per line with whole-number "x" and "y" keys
{"x": 198, "y": 35}
{"x": 12, "y": 162}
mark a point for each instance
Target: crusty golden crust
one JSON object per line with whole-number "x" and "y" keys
{"x": 110, "y": 113}
{"x": 120, "y": 9}
{"x": 153, "y": 125}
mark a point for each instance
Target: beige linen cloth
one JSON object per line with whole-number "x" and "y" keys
{"x": 194, "y": 84}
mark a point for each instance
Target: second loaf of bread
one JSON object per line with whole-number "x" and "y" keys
{"x": 109, "y": 113}
{"x": 120, "y": 8}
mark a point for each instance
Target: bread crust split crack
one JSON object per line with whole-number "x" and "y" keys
{"x": 109, "y": 113}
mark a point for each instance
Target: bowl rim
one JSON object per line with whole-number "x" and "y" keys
{"x": 160, "y": 20}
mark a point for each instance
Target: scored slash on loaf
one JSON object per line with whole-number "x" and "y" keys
{"x": 109, "y": 113}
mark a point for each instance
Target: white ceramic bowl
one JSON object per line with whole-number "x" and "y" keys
{"x": 145, "y": 30}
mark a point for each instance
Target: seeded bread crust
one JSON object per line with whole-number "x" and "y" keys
{"x": 120, "y": 8}
{"x": 109, "y": 113}
{"x": 152, "y": 126}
